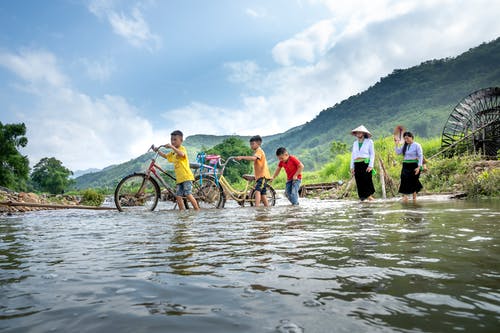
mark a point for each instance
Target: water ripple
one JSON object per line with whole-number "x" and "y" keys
{"x": 381, "y": 266}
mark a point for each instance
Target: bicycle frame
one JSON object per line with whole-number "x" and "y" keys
{"x": 239, "y": 196}
{"x": 154, "y": 168}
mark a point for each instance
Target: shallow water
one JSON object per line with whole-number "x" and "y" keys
{"x": 325, "y": 266}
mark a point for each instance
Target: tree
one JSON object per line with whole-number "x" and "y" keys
{"x": 49, "y": 175}
{"x": 14, "y": 167}
{"x": 337, "y": 148}
{"x": 233, "y": 147}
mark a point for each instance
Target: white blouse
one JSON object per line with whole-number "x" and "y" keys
{"x": 367, "y": 150}
{"x": 413, "y": 152}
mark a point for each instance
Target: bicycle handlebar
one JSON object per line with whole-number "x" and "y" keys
{"x": 230, "y": 158}
{"x": 157, "y": 148}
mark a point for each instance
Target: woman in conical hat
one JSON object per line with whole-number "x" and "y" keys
{"x": 361, "y": 129}
{"x": 362, "y": 160}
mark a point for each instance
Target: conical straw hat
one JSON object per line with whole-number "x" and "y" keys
{"x": 361, "y": 129}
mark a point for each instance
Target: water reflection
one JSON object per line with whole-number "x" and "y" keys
{"x": 13, "y": 251}
{"x": 383, "y": 266}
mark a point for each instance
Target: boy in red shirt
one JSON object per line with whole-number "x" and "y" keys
{"x": 293, "y": 168}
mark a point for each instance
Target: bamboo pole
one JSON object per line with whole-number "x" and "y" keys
{"x": 348, "y": 187}
{"x": 382, "y": 178}
{"x": 55, "y": 206}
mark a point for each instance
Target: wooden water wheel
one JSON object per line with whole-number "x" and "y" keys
{"x": 474, "y": 125}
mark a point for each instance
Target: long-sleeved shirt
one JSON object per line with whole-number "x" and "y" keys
{"x": 413, "y": 152}
{"x": 367, "y": 150}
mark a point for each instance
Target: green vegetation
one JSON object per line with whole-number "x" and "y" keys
{"x": 14, "y": 168}
{"x": 484, "y": 185}
{"x": 91, "y": 197}
{"x": 49, "y": 175}
{"x": 444, "y": 175}
{"x": 233, "y": 146}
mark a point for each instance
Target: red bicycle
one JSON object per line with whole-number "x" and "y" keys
{"x": 155, "y": 187}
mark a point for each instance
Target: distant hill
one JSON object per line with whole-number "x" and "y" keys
{"x": 421, "y": 98}
{"x": 79, "y": 173}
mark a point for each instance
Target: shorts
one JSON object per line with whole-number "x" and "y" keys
{"x": 184, "y": 189}
{"x": 261, "y": 185}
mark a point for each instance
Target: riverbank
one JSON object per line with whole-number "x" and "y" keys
{"x": 455, "y": 177}
{"x": 33, "y": 199}
{"x": 447, "y": 177}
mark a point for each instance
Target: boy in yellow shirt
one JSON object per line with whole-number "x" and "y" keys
{"x": 260, "y": 169}
{"x": 184, "y": 176}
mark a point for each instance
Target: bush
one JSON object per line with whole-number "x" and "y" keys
{"x": 92, "y": 198}
{"x": 485, "y": 184}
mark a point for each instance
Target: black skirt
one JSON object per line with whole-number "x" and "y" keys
{"x": 410, "y": 182}
{"x": 364, "y": 181}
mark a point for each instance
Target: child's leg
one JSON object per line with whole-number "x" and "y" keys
{"x": 180, "y": 202}
{"x": 257, "y": 198}
{"x": 288, "y": 190}
{"x": 263, "y": 198}
{"x": 193, "y": 201}
{"x": 294, "y": 192}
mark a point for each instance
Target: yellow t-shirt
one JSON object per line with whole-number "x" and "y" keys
{"x": 260, "y": 164}
{"x": 181, "y": 165}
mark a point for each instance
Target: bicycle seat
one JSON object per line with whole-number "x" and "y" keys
{"x": 194, "y": 165}
{"x": 248, "y": 177}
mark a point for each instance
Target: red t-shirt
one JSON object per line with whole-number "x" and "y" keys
{"x": 291, "y": 167}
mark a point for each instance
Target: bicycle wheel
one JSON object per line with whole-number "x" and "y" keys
{"x": 208, "y": 192}
{"x": 137, "y": 192}
{"x": 270, "y": 194}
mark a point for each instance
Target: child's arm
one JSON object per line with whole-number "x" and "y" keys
{"x": 246, "y": 158}
{"x": 276, "y": 173}
{"x": 179, "y": 152}
{"x": 157, "y": 149}
{"x": 300, "y": 168}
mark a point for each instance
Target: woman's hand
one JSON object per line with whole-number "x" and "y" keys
{"x": 417, "y": 171}
{"x": 352, "y": 172}
{"x": 369, "y": 169}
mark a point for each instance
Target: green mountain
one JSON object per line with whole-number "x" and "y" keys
{"x": 420, "y": 98}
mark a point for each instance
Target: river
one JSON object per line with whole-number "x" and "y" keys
{"x": 325, "y": 266}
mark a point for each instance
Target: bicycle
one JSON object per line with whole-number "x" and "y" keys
{"x": 140, "y": 191}
{"x": 213, "y": 172}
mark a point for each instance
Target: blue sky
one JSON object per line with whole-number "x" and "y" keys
{"x": 97, "y": 82}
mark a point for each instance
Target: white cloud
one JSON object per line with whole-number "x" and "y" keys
{"x": 242, "y": 72}
{"x": 133, "y": 27}
{"x": 34, "y": 67}
{"x": 98, "y": 70}
{"x": 307, "y": 46}
{"x": 361, "y": 42}
{"x": 69, "y": 125}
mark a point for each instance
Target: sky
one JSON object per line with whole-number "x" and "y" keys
{"x": 98, "y": 81}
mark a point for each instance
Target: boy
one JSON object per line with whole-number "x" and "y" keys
{"x": 293, "y": 168}
{"x": 261, "y": 170}
{"x": 184, "y": 176}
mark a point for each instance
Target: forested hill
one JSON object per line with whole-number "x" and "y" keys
{"x": 421, "y": 98}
